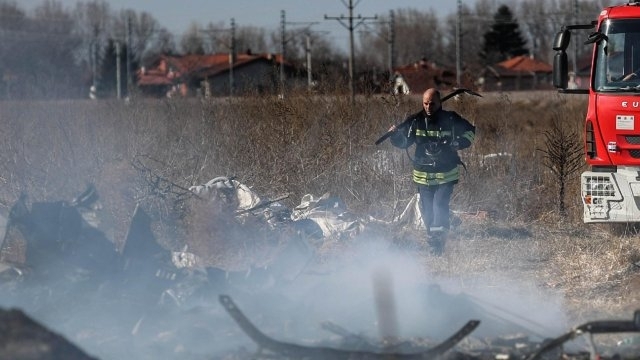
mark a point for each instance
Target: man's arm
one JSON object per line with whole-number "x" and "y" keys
{"x": 403, "y": 136}
{"x": 465, "y": 133}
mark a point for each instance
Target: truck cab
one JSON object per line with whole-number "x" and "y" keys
{"x": 610, "y": 190}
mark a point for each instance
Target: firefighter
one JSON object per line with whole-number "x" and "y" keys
{"x": 438, "y": 135}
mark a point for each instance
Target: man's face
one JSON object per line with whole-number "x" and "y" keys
{"x": 431, "y": 103}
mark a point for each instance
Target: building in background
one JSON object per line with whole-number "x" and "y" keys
{"x": 522, "y": 72}
{"x": 423, "y": 74}
{"x": 211, "y": 75}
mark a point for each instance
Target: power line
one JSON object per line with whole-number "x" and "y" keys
{"x": 232, "y": 51}
{"x": 284, "y": 41}
{"x": 351, "y": 27}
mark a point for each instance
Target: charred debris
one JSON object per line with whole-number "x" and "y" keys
{"x": 60, "y": 265}
{"x": 517, "y": 347}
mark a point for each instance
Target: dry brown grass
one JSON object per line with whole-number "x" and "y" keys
{"x": 151, "y": 151}
{"x": 298, "y": 145}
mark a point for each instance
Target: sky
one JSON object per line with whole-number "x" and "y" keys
{"x": 177, "y": 15}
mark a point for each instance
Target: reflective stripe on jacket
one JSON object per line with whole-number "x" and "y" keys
{"x": 424, "y": 178}
{"x": 435, "y": 161}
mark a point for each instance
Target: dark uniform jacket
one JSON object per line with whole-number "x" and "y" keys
{"x": 438, "y": 139}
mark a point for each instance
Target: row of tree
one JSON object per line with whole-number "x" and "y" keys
{"x": 491, "y": 31}
{"x": 55, "y": 52}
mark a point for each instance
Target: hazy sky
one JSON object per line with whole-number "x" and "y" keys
{"x": 177, "y": 15}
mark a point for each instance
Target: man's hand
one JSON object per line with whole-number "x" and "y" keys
{"x": 393, "y": 128}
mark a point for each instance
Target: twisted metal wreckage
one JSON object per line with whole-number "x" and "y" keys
{"x": 63, "y": 242}
{"x": 75, "y": 236}
{"x": 548, "y": 349}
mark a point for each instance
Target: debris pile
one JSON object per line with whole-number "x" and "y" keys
{"x": 152, "y": 294}
{"x": 516, "y": 347}
{"x": 60, "y": 263}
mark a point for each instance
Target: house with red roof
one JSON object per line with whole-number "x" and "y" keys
{"x": 421, "y": 75}
{"x": 522, "y": 72}
{"x": 417, "y": 77}
{"x": 215, "y": 75}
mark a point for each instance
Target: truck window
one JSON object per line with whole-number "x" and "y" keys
{"x": 615, "y": 57}
{"x": 617, "y": 62}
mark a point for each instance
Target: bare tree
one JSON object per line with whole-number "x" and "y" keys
{"x": 541, "y": 19}
{"x": 56, "y": 77}
{"x": 215, "y": 39}
{"x": 92, "y": 20}
{"x": 563, "y": 156}
{"x": 192, "y": 41}
{"x": 474, "y": 22}
{"x": 535, "y": 25}
{"x": 251, "y": 38}
{"x": 35, "y": 52}
{"x": 373, "y": 50}
{"x": 164, "y": 44}
{"x": 419, "y": 35}
{"x": 140, "y": 29}
{"x": 327, "y": 61}
{"x": 13, "y": 25}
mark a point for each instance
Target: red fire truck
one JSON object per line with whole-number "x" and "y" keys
{"x": 610, "y": 191}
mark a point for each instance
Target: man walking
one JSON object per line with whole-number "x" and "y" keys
{"x": 438, "y": 135}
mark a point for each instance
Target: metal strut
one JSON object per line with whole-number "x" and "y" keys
{"x": 319, "y": 352}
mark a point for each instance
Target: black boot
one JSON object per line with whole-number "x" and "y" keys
{"x": 436, "y": 240}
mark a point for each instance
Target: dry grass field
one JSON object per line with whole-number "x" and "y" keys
{"x": 512, "y": 231}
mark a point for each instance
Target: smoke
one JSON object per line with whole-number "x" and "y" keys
{"x": 370, "y": 288}
{"x": 375, "y": 290}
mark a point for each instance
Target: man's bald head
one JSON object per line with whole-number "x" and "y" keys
{"x": 431, "y": 101}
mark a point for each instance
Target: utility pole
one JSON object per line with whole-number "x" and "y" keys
{"x": 128, "y": 48}
{"x": 351, "y": 27}
{"x": 575, "y": 43}
{"x": 283, "y": 45}
{"x": 392, "y": 42}
{"x": 308, "y": 53}
{"x": 92, "y": 56}
{"x": 231, "y": 46}
{"x": 283, "y": 39}
{"x": 94, "y": 59}
{"x": 459, "y": 45}
{"x": 232, "y": 56}
{"x": 118, "y": 85}
{"x": 307, "y": 50}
